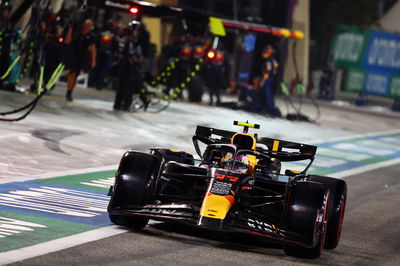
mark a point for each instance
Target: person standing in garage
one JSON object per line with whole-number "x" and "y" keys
{"x": 130, "y": 78}
{"x": 83, "y": 53}
{"x": 268, "y": 73}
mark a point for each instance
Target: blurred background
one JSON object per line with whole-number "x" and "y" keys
{"x": 200, "y": 51}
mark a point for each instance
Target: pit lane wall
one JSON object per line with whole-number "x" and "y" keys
{"x": 371, "y": 61}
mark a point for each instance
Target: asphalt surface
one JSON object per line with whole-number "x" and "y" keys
{"x": 370, "y": 237}
{"x": 61, "y": 136}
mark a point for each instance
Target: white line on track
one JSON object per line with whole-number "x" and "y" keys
{"x": 57, "y": 174}
{"x": 59, "y": 244}
{"x": 62, "y": 243}
{"x": 93, "y": 235}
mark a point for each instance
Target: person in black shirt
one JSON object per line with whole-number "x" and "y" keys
{"x": 83, "y": 54}
{"x": 130, "y": 79}
{"x": 213, "y": 73}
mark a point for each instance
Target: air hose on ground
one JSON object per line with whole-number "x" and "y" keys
{"x": 163, "y": 77}
{"x": 53, "y": 79}
{"x": 300, "y": 90}
{"x": 30, "y": 106}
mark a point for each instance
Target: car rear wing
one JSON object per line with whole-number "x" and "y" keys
{"x": 209, "y": 135}
{"x": 281, "y": 149}
{"x": 286, "y": 150}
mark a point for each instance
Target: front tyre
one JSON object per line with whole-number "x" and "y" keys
{"x": 135, "y": 183}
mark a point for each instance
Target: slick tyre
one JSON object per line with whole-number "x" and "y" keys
{"x": 134, "y": 187}
{"x": 306, "y": 214}
{"x": 135, "y": 222}
{"x": 336, "y": 209}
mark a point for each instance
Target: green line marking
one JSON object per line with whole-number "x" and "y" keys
{"x": 81, "y": 180}
{"x": 320, "y": 171}
{"x": 22, "y": 230}
{"x": 375, "y": 160}
{"x": 340, "y": 154}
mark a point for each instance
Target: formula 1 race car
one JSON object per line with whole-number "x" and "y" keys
{"x": 236, "y": 186}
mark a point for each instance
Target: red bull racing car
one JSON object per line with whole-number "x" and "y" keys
{"x": 238, "y": 185}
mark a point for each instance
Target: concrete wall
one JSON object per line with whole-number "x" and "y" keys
{"x": 158, "y": 31}
{"x": 390, "y": 21}
{"x": 301, "y": 21}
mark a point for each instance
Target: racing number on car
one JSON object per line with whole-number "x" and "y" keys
{"x": 220, "y": 197}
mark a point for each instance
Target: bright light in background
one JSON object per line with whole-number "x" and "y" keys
{"x": 134, "y": 10}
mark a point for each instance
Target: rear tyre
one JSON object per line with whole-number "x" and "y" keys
{"x": 306, "y": 214}
{"x": 336, "y": 209}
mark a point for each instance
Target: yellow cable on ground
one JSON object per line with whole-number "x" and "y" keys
{"x": 56, "y": 77}
{"x": 11, "y": 67}
{"x": 40, "y": 83}
{"x": 53, "y": 75}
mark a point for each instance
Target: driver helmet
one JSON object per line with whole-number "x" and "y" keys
{"x": 240, "y": 163}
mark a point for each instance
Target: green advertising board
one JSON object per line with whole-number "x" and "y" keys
{"x": 395, "y": 86}
{"x": 355, "y": 79}
{"x": 348, "y": 48}
{"x": 371, "y": 60}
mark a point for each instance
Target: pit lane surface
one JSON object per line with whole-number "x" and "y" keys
{"x": 370, "y": 237}
{"x": 60, "y": 136}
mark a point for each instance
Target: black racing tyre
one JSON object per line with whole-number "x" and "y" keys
{"x": 136, "y": 222}
{"x": 306, "y": 214}
{"x": 134, "y": 187}
{"x": 337, "y": 206}
{"x": 196, "y": 89}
